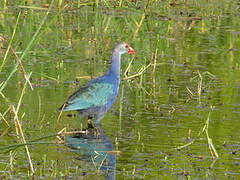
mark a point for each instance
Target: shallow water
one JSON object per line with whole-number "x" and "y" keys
{"x": 193, "y": 75}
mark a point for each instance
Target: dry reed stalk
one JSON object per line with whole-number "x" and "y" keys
{"x": 60, "y": 113}
{"x": 140, "y": 72}
{"x": 210, "y": 143}
{"x": 211, "y": 147}
{"x": 33, "y": 8}
{"x": 5, "y": 132}
{"x": 18, "y": 124}
{"x": 19, "y": 127}
{"x": 128, "y": 68}
{"x": 155, "y": 60}
{"x": 2, "y": 116}
{"x": 200, "y": 87}
{"x": 10, "y": 42}
{"x": 139, "y": 25}
{"x": 27, "y": 48}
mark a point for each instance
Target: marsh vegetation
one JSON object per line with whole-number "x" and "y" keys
{"x": 177, "y": 114}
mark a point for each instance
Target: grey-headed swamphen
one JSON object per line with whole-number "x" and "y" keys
{"x": 95, "y": 98}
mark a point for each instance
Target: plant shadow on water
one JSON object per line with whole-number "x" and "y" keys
{"x": 94, "y": 146}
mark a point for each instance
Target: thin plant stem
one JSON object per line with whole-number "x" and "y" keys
{"x": 139, "y": 25}
{"x": 27, "y": 48}
{"x": 19, "y": 126}
{"x": 200, "y": 87}
{"x": 39, "y": 106}
{"x": 140, "y": 72}
{"x": 10, "y": 43}
{"x": 128, "y": 68}
{"x": 22, "y": 68}
{"x": 2, "y": 116}
{"x": 121, "y": 107}
{"x": 211, "y": 147}
{"x": 4, "y": 120}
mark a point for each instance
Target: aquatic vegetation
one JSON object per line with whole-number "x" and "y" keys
{"x": 177, "y": 114}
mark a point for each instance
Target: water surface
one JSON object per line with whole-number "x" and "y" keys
{"x": 190, "y": 53}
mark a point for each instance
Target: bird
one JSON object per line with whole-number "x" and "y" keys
{"x": 96, "y": 97}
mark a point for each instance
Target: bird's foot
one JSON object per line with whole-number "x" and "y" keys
{"x": 91, "y": 128}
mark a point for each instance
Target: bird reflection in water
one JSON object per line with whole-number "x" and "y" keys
{"x": 95, "y": 147}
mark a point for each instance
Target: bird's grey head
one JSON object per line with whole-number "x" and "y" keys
{"x": 123, "y": 48}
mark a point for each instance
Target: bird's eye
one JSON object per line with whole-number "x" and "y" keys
{"x": 126, "y": 46}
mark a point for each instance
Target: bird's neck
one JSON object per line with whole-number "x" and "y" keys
{"x": 115, "y": 64}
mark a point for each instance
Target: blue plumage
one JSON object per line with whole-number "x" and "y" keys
{"x": 97, "y": 96}
{"x": 93, "y": 95}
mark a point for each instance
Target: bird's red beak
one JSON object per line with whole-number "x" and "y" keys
{"x": 131, "y": 50}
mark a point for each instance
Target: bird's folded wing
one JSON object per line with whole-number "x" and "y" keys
{"x": 92, "y": 95}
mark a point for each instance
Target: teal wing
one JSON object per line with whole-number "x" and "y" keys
{"x": 92, "y": 95}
